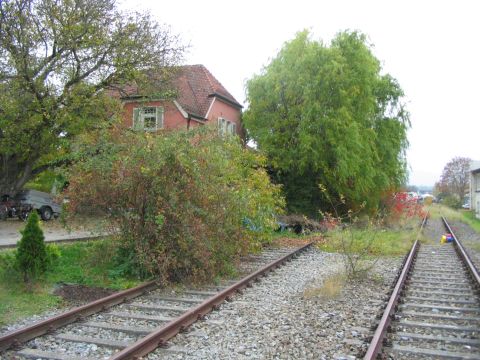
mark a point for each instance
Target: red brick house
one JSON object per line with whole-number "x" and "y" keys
{"x": 200, "y": 100}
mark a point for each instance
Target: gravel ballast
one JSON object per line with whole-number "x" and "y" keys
{"x": 287, "y": 316}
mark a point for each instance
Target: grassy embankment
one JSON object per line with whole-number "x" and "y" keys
{"x": 380, "y": 241}
{"x": 470, "y": 219}
{"x": 87, "y": 263}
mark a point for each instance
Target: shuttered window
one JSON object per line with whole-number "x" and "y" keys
{"x": 148, "y": 118}
{"x": 221, "y": 126}
{"x": 226, "y": 127}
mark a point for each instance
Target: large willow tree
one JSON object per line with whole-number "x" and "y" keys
{"x": 328, "y": 115}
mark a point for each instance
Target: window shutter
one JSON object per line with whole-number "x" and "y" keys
{"x": 220, "y": 125}
{"x": 159, "y": 114}
{"x": 136, "y": 119}
{"x": 234, "y": 129}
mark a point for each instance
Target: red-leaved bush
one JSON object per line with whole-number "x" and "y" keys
{"x": 401, "y": 206}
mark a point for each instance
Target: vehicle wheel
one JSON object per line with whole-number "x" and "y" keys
{"x": 23, "y": 215}
{"x": 3, "y": 212}
{"x": 46, "y": 213}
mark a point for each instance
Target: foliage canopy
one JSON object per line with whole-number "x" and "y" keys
{"x": 454, "y": 181}
{"x": 186, "y": 204}
{"x": 326, "y": 115}
{"x": 56, "y": 58}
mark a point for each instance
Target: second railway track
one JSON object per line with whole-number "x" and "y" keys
{"x": 434, "y": 310}
{"x": 134, "y": 324}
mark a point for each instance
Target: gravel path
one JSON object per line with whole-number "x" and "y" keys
{"x": 286, "y": 316}
{"x": 54, "y": 230}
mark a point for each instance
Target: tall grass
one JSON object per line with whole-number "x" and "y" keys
{"x": 438, "y": 210}
{"x": 386, "y": 242}
{"x": 470, "y": 219}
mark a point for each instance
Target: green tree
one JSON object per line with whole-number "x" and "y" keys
{"x": 31, "y": 257}
{"x": 454, "y": 181}
{"x": 326, "y": 115}
{"x": 56, "y": 60}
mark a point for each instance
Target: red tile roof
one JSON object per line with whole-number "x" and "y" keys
{"x": 196, "y": 88}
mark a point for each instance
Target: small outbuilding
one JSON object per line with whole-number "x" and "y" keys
{"x": 475, "y": 188}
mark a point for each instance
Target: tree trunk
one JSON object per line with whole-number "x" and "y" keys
{"x": 14, "y": 174}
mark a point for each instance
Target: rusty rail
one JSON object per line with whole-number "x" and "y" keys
{"x": 27, "y": 333}
{"x": 160, "y": 336}
{"x": 463, "y": 254}
{"x": 377, "y": 340}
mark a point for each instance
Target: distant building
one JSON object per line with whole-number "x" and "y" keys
{"x": 475, "y": 188}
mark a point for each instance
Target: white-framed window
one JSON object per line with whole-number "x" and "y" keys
{"x": 226, "y": 127}
{"x": 149, "y": 118}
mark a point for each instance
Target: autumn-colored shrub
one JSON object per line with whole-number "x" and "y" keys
{"x": 400, "y": 207}
{"x": 184, "y": 204}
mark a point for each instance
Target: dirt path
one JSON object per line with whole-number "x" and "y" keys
{"x": 54, "y": 230}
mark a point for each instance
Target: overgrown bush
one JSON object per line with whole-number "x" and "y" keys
{"x": 31, "y": 257}
{"x": 184, "y": 204}
{"x": 452, "y": 201}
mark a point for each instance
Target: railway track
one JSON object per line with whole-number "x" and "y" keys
{"x": 434, "y": 309}
{"x": 132, "y": 323}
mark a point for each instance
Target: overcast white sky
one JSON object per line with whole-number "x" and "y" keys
{"x": 431, "y": 47}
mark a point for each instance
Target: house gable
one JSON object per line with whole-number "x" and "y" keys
{"x": 222, "y": 110}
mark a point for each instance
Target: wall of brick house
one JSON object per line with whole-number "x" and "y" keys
{"x": 226, "y": 111}
{"x": 172, "y": 117}
{"x": 194, "y": 124}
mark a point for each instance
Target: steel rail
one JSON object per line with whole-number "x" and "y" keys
{"x": 24, "y": 334}
{"x": 379, "y": 335}
{"x": 463, "y": 254}
{"x": 160, "y": 336}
